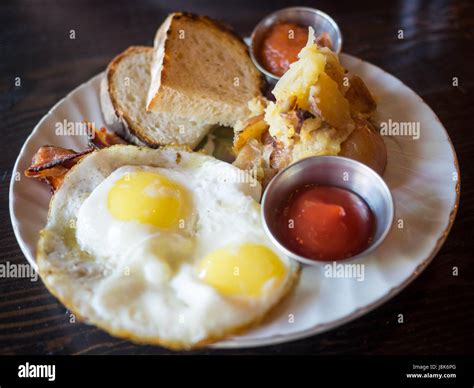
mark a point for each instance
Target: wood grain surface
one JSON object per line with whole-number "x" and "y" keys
{"x": 438, "y": 307}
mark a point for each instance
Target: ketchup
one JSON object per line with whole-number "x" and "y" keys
{"x": 281, "y": 46}
{"x": 325, "y": 223}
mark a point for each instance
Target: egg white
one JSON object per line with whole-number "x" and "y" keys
{"x": 137, "y": 281}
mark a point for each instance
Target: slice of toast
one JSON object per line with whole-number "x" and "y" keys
{"x": 201, "y": 70}
{"x": 123, "y": 100}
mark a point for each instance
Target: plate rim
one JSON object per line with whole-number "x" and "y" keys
{"x": 11, "y": 198}
{"x": 235, "y": 342}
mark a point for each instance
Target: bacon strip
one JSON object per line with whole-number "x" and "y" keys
{"x": 50, "y": 164}
{"x": 102, "y": 138}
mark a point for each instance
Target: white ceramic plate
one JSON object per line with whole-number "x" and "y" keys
{"x": 422, "y": 174}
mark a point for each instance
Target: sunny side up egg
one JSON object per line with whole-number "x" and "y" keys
{"x": 161, "y": 246}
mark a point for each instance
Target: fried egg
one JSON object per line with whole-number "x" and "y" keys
{"x": 161, "y": 246}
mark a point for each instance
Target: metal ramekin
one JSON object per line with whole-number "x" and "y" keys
{"x": 305, "y": 16}
{"x": 331, "y": 171}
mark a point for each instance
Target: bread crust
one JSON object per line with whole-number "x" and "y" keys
{"x": 165, "y": 30}
{"x": 113, "y": 115}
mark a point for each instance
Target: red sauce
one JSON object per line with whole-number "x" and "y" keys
{"x": 325, "y": 223}
{"x": 281, "y": 46}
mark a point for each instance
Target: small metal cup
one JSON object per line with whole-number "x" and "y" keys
{"x": 303, "y": 16}
{"x": 336, "y": 171}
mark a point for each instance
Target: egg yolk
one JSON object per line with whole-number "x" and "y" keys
{"x": 149, "y": 198}
{"x": 243, "y": 270}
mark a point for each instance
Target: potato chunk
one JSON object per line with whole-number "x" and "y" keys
{"x": 359, "y": 97}
{"x": 367, "y": 146}
{"x": 331, "y": 104}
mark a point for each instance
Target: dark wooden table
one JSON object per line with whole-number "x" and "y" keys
{"x": 438, "y": 45}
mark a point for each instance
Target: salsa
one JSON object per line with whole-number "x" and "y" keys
{"x": 281, "y": 46}
{"x": 282, "y": 43}
{"x": 325, "y": 223}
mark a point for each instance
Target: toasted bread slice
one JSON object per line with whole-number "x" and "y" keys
{"x": 123, "y": 99}
{"x": 201, "y": 70}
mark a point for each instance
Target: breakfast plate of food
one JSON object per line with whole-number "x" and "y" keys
{"x": 208, "y": 191}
